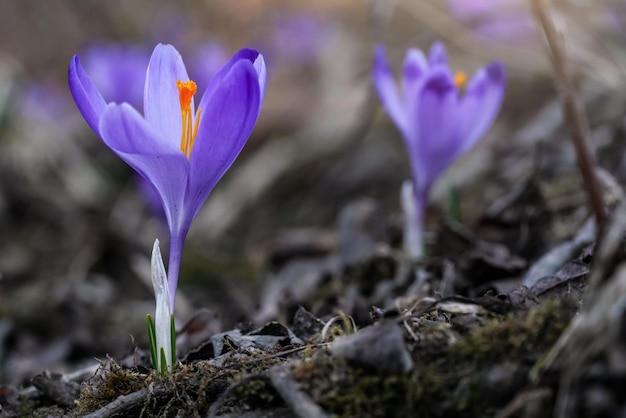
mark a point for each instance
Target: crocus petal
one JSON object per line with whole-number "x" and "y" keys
{"x": 259, "y": 66}
{"x": 481, "y": 103}
{"x": 253, "y": 57}
{"x": 230, "y": 108}
{"x": 388, "y": 92}
{"x": 437, "y": 129}
{"x": 164, "y": 307}
{"x": 87, "y": 97}
{"x": 415, "y": 66}
{"x": 161, "y": 101}
{"x": 438, "y": 55}
{"x": 415, "y": 69}
{"x": 145, "y": 149}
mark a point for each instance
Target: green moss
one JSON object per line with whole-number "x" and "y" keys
{"x": 254, "y": 393}
{"x": 347, "y": 392}
{"x": 446, "y": 381}
{"x": 344, "y": 391}
{"x": 24, "y": 406}
{"x": 514, "y": 336}
{"x": 513, "y": 342}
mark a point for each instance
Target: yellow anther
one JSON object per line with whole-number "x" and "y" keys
{"x": 187, "y": 89}
{"x": 460, "y": 79}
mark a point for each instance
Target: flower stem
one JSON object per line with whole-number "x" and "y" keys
{"x": 173, "y": 340}
{"x": 575, "y": 118}
{"x": 173, "y": 266}
{"x": 413, "y": 207}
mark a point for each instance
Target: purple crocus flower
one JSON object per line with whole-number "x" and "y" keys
{"x": 207, "y": 60}
{"x": 181, "y": 152}
{"x": 440, "y": 117}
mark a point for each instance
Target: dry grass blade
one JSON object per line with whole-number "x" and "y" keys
{"x": 576, "y": 119}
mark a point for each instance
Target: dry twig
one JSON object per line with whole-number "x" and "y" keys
{"x": 575, "y": 118}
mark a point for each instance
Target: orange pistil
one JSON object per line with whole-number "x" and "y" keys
{"x": 187, "y": 89}
{"x": 460, "y": 79}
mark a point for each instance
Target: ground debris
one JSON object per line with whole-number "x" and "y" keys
{"x": 58, "y": 390}
{"x": 589, "y": 360}
{"x": 379, "y": 347}
{"x": 402, "y": 365}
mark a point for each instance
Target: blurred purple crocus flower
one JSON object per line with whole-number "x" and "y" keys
{"x": 300, "y": 37}
{"x": 497, "y": 20}
{"x": 181, "y": 152}
{"x": 207, "y": 59}
{"x": 118, "y": 70}
{"x": 440, "y": 117}
{"x": 46, "y": 104}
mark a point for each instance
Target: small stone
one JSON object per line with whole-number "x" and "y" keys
{"x": 379, "y": 347}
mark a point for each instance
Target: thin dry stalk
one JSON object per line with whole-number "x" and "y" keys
{"x": 575, "y": 118}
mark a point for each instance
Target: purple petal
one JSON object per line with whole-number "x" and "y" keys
{"x": 259, "y": 66}
{"x": 243, "y": 54}
{"x": 230, "y": 109}
{"x": 415, "y": 69}
{"x": 388, "y": 91}
{"x": 250, "y": 55}
{"x": 415, "y": 66}
{"x": 126, "y": 116}
{"x": 88, "y": 99}
{"x": 438, "y": 55}
{"x": 161, "y": 96}
{"x": 145, "y": 149}
{"x": 481, "y": 103}
{"x": 437, "y": 128}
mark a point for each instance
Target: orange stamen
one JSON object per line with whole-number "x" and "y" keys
{"x": 460, "y": 79}
{"x": 187, "y": 89}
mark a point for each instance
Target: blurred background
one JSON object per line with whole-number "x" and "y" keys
{"x": 76, "y": 227}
